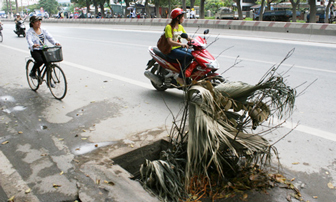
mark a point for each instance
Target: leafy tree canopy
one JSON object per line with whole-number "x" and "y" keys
{"x": 49, "y": 5}
{"x": 4, "y": 6}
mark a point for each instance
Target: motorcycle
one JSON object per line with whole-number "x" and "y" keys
{"x": 20, "y": 28}
{"x": 163, "y": 71}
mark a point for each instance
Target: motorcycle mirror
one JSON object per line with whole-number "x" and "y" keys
{"x": 206, "y": 31}
{"x": 184, "y": 35}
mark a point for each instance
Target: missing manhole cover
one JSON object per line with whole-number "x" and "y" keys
{"x": 131, "y": 161}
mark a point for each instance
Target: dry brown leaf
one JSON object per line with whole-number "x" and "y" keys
{"x": 295, "y": 163}
{"x": 28, "y": 191}
{"x": 5, "y": 142}
{"x": 84, "y": 138}
{"x": 98, "y": 181}
{"x": 293, "y": 179}
{"x": 245, "y": 196}
{"x": 109, "y": 182}
{"x": 96, "y": 145}
{"x": 11, "y": 199}
{"x": 20, "y": 132}
{"x": 331, "y": 186}
{"x": 61, "y": 173}
{"x": 315, "y": 197}
{"x": 56, "y": 185}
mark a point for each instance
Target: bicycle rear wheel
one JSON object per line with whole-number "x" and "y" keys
{"x": 57, "y": 82}
{"x": 1, "y": 37}
{"x": 33, "y": 83}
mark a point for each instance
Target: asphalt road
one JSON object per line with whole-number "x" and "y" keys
{"x": 111, "y": 108}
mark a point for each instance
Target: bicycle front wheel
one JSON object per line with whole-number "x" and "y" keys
{"x": 33, "y": 83}
{"x": 57, "y": 82}
{"x": 1, "y": 37}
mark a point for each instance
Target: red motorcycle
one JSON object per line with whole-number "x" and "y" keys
{"x": 163, "y": 71}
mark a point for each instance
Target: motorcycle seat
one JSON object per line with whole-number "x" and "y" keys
{"x": 163, "y": 56}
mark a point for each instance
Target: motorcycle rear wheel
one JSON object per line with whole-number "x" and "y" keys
{"x": 157, "y": 70}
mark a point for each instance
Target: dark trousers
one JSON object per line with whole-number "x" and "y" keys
{"x": 39, "y": 59}
{"x": 183, "y": 55}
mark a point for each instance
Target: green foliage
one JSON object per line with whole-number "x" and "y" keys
{"x": 214, "y": 5}
{"x": 49, "y": 6}
{"x": 4, "y": 6}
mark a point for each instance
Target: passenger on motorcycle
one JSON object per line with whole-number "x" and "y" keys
{"x": 16, "y": 20}
{"x": 179, "y": 50}
{"x": 36, "y": 39}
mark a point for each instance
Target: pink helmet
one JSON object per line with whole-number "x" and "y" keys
{"x": 176, "y": 12}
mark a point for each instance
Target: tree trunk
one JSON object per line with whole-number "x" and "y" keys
{"x": 95, "y": 3}
{"x": 326, "y": 20}
{"x": 294, "y": 6}
{"x": 312, "y": 8}
{"x": 240, "y": 12}
{"x": 147, "y": 8}
{"x": 268, "y": 7}
{"x": 87, "y": 6}
{"x": 261, "y": 11}
{"x": 157, "y": 8}
{"x": 192, "y": 3}
{"x": 127, "y": 5}
{"x": 102, "y": 10}
{"x": 169, "y": 7}
{"x": 202, "y": 9}
{"x": 184, "y": 6}
{"x": 16, "y": 6}
{"x": 7, "y": 8}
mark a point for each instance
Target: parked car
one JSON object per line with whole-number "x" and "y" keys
{"x": 227, "y": 13}
{"x": 321, "y": 15}
{"x": 276, "y": 13}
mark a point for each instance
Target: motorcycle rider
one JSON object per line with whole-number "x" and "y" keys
{"x": 179, "y": 50}
{"x": 16, "y": 20}
{"x": 36, "y": 39}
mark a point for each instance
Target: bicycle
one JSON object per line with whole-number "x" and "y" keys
{"x": 55, "y": 76}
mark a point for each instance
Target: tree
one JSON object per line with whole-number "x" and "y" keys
{"x": 312, "y": 7}
{"x": 83, "y": 3}
{"x": 7, "y": 6}
{"x": 157, "y": 11}
{"x": 326, "y": 19}
{"x": 16, "y": 6}
{"x": 261, "y": 12}
{"x": 202, "y": 9}
{"x": 294, "y": 5}
{"x": 240, "y": 12}
{"x": 49, "y": 5}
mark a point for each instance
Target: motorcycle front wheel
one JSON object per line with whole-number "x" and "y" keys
{"x": 157, "y": 70}
{"x": 217, "y": 80}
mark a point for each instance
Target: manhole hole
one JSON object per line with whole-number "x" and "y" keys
{"x": 132, "y": 161}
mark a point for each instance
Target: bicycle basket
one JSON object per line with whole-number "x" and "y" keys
{"x": 53, "y": 54}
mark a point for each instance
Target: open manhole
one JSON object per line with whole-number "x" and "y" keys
{"x": 132, "y": 161}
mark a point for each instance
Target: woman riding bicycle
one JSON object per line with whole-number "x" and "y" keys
{"x": 36, "y": 39}
{"x": 179, "y": 50}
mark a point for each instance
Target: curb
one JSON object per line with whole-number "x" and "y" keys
{"x": 265, "y": 26}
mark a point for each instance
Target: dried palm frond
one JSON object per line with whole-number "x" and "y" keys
{"x": 218, "y": 140}
{"x": 211, "y": 139}
{"x": 164, "y": 178}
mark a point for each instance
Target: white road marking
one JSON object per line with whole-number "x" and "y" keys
{"x": 302, "y": 128}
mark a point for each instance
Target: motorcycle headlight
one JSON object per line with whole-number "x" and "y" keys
{"x": 213, "y": 64}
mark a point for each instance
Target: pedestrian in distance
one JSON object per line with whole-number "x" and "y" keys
{"x": 36, "y": 39}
